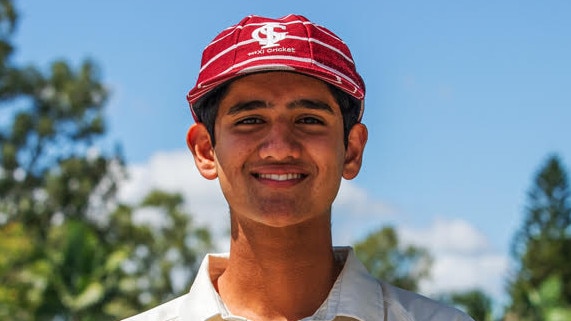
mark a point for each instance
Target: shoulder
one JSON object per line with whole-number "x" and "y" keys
{"x": 379, "y": 300}
{"x": 168, "y": 311}
{"x": 406, "y": 305}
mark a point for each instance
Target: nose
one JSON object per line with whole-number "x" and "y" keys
{"x": 280, "y": 143}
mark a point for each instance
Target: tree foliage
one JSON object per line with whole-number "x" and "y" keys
{"x": 542, "y": 247}
{"x": 387, "y": 259}
{"x": 475, "y": 303}
{"x": 70, "y": 250}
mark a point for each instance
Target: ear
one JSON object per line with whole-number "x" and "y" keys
{"x": 199, "y": 143}
{"x": 354, "y": 151}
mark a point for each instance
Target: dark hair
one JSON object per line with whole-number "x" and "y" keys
{"x": 206, "y": 109}
{"x": 350, "y": 109}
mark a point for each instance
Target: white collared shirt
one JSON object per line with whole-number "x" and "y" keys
{"x": 355, "y": 296}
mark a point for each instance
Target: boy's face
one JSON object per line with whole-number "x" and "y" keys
{"x": 279, "y": 153}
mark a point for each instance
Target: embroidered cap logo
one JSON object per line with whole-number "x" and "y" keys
{"x": 272, "y": 37}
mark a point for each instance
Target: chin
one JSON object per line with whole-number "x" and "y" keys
{"x": 280, "y": 220}
{"x": 290, "y": 219}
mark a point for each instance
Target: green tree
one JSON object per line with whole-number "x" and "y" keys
{"x": 165, "y": 253}
{"x": 474, "y": 302}
{"x": 18, "y": 296}
{"x": 542, "y": 247}
{"x": 70, "y": 250}
{"x": 387, "y": 259}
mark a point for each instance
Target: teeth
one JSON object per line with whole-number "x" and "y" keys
{"x": 280, "y": 177}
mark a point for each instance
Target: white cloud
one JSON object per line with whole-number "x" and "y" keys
{"x": 451, "y": 236}
{"x": 175, "y": 171}
{"x": 356, "y": 214}
{"x": 464, "y": 258}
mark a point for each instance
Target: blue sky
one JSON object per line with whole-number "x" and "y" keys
{"x": 465, "y": 99}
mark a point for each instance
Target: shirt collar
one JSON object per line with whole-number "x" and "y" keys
{"x": 355, "y": 294}
{"x": 203, "y": 301}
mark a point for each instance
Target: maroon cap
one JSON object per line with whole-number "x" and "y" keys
{"x": 290, "y": 43}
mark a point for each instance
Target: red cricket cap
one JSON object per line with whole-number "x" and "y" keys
{"x": 290, "y": 43}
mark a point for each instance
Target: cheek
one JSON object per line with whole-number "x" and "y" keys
{"x": 329, "y": 159}
{"x": 329, "y": 155}
{"x": 231, "y": 152}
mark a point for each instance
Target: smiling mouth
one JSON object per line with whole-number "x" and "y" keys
{"x": 280, "y": 177}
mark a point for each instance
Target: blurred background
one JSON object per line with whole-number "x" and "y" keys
{"x": 463, "y": 195}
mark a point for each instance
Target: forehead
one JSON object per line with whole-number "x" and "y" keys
{"x": 277, "y": 86}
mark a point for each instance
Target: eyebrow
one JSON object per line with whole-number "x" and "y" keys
{"x": 310, "y": 104}
{"x": 296, "y": 104}
{"x": 246, "y": 106}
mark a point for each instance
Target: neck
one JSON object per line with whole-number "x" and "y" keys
{"x": 278, "y": 273}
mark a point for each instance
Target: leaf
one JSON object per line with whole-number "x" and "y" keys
{"x": 90, "y": 296}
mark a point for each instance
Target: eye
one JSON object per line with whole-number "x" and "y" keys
{"x": 250, "y": 121}
{"x": 310, "y": 120}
